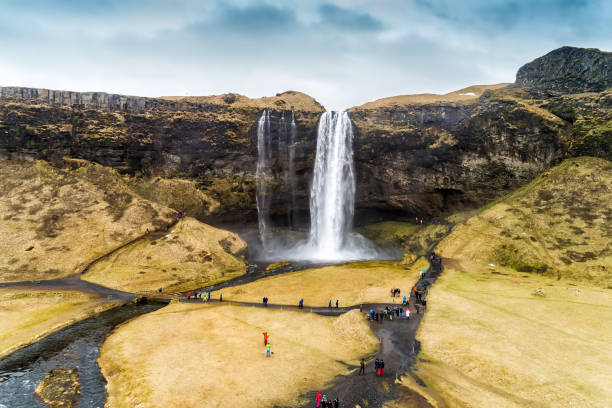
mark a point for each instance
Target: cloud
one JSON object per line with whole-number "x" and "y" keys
{"x": 342, "y": 52}
{"x": 348, "y": 19}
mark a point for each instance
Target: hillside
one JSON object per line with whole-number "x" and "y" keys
{"x": 558, "y": 225}
{"x": 522, "y": 314}
{"x": 56, "y": 220}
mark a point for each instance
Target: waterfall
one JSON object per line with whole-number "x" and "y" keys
{"x": 332, "y": 195}
{"x": 264, "y": 145}
{"x": 292, "y": 181}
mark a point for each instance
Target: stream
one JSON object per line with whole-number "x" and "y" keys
{"x": 75, "y": 346}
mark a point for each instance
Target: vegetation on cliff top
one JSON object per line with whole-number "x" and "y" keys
{"x": 469, "y": 94}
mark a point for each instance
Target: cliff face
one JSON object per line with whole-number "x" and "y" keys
{"x": 212, "y": 140}
{"x": 417, "y": 154}
{"x": 423, "y": 159}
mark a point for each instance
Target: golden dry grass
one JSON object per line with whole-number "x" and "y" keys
{"x": 191, "y": 255}
{"x": 287, "y": 100}
{"x": 201, "y": 355}
{"x": 57, "y": 220}
{"x": 559, "y": 225}
{"x": 351, "y": 284}
{"x": 466, "y": 94}
{"x": 489, "y": 341}
{"x": 28, "y": 314}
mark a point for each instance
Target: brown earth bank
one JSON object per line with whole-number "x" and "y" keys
{"x": 418, "y": 154}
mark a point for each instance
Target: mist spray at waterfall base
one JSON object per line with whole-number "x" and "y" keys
{"x": 332, "y": 205}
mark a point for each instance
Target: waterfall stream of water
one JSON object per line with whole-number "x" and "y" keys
{"x": 264, "y": 147}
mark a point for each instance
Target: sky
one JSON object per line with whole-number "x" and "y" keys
{"x": 341, "y": 52}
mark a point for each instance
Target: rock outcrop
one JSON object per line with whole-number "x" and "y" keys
{"x": 567, "y": 70}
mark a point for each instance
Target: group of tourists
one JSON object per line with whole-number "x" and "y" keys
{"x": 389, "y": 313}
{"x": 323, "y": 402}
{"x": 205, "y": 296}
{"x": 265, "y": 301}
{"x": 330, "y": 303}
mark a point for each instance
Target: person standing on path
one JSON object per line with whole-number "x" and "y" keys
{"x": 404, "y": 302}
{"x": 266, "y": 336}
{"x": 318, "y": 399}
{"x": 362, "y": 367}
{"x": 382, "y": 367}
{"x": 376, "y": 367}
{"x": 329, "y": 304}
{"x": 336, "y": 303}
{"x": 268, "y": 350}
{"x": 220, "y": 297}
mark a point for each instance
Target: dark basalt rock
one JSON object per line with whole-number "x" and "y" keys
{"x": 567, "y": 70}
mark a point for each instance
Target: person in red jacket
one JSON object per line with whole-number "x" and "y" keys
{"x": 266, "y": 336}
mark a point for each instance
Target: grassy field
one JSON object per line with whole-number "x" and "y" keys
{"x": 27, "y": 314}
{"x": 194, "y": 355}
{"x": 522, "y": 315}
{"x": 54, "y": 221}
{"x": 351, "y": 284}
{"x": 191, "y": 255}
{"x": 488, "y": 340}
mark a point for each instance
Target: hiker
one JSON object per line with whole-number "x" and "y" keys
{"x": 318, "y": 399}
{"x": 382, "y": 367}
{"x": 209, "y": 294}
{"x": 408, "y": 313}
{"x": 404, "y": 302}
{"x": 301, "y": 303}
{"x": 336, "y": 403}
{"x": 188, "y": 295}
{"x": 159, "y": 290}
{"x": 377, "y": 367}
{"x": 329, "y": 304}
{"x": 324, "y": 400}
{"x": 266, "y": 335}
{"x": 336, "y": 303}
{"x": 205, "y": 298}
{"x": 220, "y": 297}
{"x": 362, "y": 367}
{"x": 268, "y": 350}
{"x": 397, "y": 312}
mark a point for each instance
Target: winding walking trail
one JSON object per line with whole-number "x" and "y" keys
{"x": 398, "y": 348}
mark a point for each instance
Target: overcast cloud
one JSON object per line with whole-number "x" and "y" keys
{"x": 342, "y": 52}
